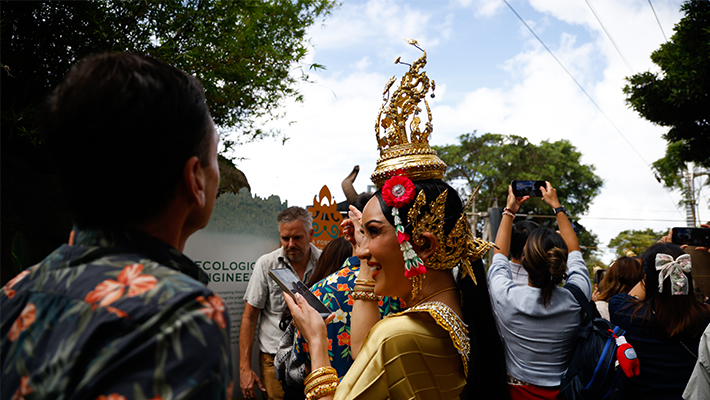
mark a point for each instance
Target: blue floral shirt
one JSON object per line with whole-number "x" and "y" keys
{"x": 335, "y": 292}
{"x": 118, "y": 315}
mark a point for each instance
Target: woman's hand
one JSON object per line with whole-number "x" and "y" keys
{"x": 307, "y": 320}
{"x": 352, "y": 226}
{"x": 312, "y": 327}
{"x": 513, "y": 203}
{"x": 549, "y": 195}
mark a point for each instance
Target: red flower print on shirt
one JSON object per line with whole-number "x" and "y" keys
{"x": 111, "y": 290}
{"x": 213, "y": 308}
{"x": 317, "y": 292}
{"x": 26, "y": 318}
{"x": 344, "y": 339}
{"x": 8, "y": 287}
{"x": 23, "y": 389}
{"x": 343, "y": 287}
{"x": 344, "y": 272}
{"x": 112, "y": 396}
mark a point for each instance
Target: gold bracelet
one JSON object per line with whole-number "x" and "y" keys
{"x": 371, "y": 296}
{"x": 360, "y": 288}
{"x": 367, "y": 282}
{"x": 318, "y": 372}
{"x": 322, "y": 390}
{"x": 320, "y": 381}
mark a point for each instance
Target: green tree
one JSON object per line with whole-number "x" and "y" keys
{"x": 634, "y": 242}
{"x": 244, "y": 51}
{"x": 493, "y": 160}
{"x": 678, "y": 97}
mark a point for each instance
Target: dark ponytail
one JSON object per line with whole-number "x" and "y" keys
{"x": 545, "y": 260}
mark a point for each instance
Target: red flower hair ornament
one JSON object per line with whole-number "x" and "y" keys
{"x": 399, "y": 191}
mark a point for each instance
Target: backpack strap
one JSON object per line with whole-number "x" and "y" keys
{"x": 587, "y": 306}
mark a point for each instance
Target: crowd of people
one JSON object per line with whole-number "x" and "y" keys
{"x": 119, "y": 312}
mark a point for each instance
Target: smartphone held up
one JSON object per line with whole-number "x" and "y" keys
{"x": 691, "y": 236}
{"x": 527, "y": 188}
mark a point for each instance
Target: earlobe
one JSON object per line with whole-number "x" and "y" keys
{"x": 194, "y": 178}
{"x": 431, "y": 243}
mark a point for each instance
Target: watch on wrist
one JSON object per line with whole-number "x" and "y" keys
{"x": 559, "y": 210}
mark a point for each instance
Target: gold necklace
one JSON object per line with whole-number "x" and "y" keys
{"x": 434, "y": 294}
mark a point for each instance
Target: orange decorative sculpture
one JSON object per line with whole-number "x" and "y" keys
{"x": 326, "y": 218}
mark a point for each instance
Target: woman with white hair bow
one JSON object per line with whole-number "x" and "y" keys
{"x": 663, "y": 322}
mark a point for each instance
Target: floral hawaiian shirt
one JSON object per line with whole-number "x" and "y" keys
{"x": 117, "y": 315}
{"x": 334, "y": 291}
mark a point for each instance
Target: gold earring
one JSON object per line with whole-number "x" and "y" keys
{"x": 417, "y": 282}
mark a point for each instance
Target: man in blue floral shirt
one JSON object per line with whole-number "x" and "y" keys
{"x": 119, "y": 312}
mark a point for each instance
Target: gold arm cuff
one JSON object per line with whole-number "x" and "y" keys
{"x": 322, "y": 390}
{"x": 318, "y": 372}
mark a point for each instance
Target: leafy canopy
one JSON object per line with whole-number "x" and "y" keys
{"x": 634, "y": 242}
{"x": 495, "y": 160}
{"x": 679, "y": 96}
{"x": 245, "y": 52}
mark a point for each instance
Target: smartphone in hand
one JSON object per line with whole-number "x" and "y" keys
{"x": 290, "y": 284}
{"x": 527, "y": 188}
{"x": 691, "y": 236}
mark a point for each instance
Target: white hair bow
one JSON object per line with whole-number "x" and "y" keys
{"x": 675, "y": 270}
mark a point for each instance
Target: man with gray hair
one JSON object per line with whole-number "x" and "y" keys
{"x": 264, "y": 298}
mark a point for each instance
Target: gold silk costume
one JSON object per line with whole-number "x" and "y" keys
{"x": 405, "y": 356}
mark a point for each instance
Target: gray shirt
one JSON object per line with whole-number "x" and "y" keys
{"x": 699, "y": 384}
{"x": 263, "y": 293}
{"x": 520, "y": 275}
{"x": 538, "y": 340}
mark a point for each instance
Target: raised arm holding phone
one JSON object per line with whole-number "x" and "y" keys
{"x": 529, "y": 315}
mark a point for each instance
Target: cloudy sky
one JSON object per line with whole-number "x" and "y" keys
{"x": 492, "y": 75}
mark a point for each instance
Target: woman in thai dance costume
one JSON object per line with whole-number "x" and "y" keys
{"x": 414, "y": 233}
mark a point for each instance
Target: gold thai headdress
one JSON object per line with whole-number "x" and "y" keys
{"x": 406, "y": 158}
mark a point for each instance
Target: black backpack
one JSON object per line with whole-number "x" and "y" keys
{"x": 592, "y": 371}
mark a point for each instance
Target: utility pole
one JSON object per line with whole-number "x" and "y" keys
{"x": 689, "y": 198}
{"x": 691, "y": 206}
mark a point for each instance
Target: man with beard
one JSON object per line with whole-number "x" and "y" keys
{"x": 264, "y": 298}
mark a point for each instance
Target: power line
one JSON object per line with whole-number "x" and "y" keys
{"x": 657, "y": 20}
{"x": 578, "y": 84}
{"x": 609, "y": 36}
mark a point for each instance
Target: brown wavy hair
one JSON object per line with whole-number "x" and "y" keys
{"x": 545, "y": 259}
{"x": 621, "y": 277}
{"x": 331, "y": 259}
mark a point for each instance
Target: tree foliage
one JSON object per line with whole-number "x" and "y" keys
{"x": 679, "y": 96}
{"x": 494, "y": 160}
{"x": 634, "y": 242}
{"x": 243, "y": 51}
